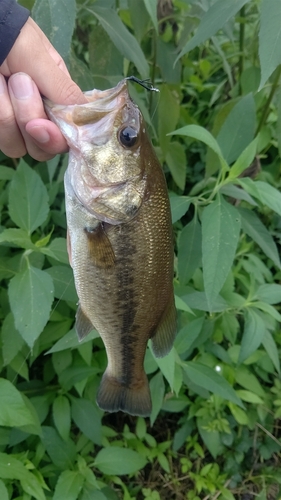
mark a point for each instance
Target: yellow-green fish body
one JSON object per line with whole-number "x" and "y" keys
{"x": 119, "y": 240}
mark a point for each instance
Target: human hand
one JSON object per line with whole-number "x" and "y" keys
{"x": 33, "y": 67}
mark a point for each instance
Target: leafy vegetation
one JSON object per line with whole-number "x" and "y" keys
{"x": 214, "y": 431}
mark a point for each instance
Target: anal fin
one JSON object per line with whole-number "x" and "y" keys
{"x": 163, "y": 338}
{"x": 82, "y": 324}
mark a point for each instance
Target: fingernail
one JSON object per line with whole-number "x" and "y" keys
{"x": 39, "y": 134}
{"x": 2, "y": 84}
{"x": 21, "y": 85}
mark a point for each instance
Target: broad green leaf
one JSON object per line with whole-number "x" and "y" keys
{"x": 188, "y": 334}
{"x": 209, "y": 379}
{"x": 198, "y": 300}
{"x": 254, "y": 331}
{"x": 167, "y": 367}
{"x": 11, "y": 468}
{"x": 71, "y": 341}
{"x": 114, "y": 460}
{"x": 269, "y": 293}
{"x": 237, "y": 193}
{"x": 4, "y": 495}
{"x": 69, "y": 485}
{"x": 87, "y": 417}
{"x": 238, "y": 130}
{"x": 151, "y": 7}
{"x": 17, "y": 237}
{"x": 165, "y": 58}
{"x": 269, "y": 38}
{"x": 57, "y": 19}
{"x": 179, "y": 206}
{"x": 28, "y": 199}
{"x": 270, "y": 346}
{"x": 157, "y": 391}
{"x": 61, "y": 416}
{"x": 104, "y": 58}
{"x": 269, "y": 195}
{"x": 249, "y": 381}
{"x": 12, "y": 342}
{"x": 212, "y": 439}
{"x": 181, "y": 305}
{"x": 62, "y": 453}
{"x": 244, "y": 160}
{"x": 272, "y": 311}
{"x": 13, "y": 410}
{"x": 249, "y": 397}
{"x": 220, "y": 234}
{"x": 203, "y": 135}
{"x": 176, "y": 161}
{"x": 32, "y": 313}
{"x": 139, "y": 17}
{"x": 63, "y": 280}
{"x": 253, "y": 226}
{"x": 240, "y": 415}
{"x": 57, "y": 250}
{"x": 215, "y": 18}
{"x": 126, "y": 43}
{"x": 189, "y": 250}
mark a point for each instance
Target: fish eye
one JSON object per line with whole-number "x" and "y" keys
{"x": 128, "y": 136}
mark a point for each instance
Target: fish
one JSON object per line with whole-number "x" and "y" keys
{"x": 119, "y": 239}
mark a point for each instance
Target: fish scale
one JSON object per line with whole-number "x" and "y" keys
{"x": 120, "y": 241}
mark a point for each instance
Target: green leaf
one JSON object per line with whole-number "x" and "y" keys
{"x": 269, "y": 196}
{"x": 6, "y": 173}
{"x": 209, "y": 379}
{"x": 28, "y": 199}
{"x": 64, "y": 287}
{"x": 189, "y": 250}
{"x": 151, "y": 7}
{"x": 57, "y": 19}
{"x": 201, "y": 134}
{"x": 32, "y": 313}
{"x": 215, "y": 18}
{"x": 11, "y": 468}
{"x": 71, "y": 341}
{"x": 167, "y": 366}
{"x": 240, "y": 415}
{"x": 238, "y": 129}
{"x": 249, "y": 397}
{"x": 244, "y": 161}
{"x": 198, "y": 300}
{"x": 220, "y": 234}
{"x": 253, "y": 226}
{"x": 176, "y": 161}
{"x": 17, "y": 237}
{"x": 87, "y": 417}
{"x": 61, "y": 416}
{"x": 168, "y": 115}
{"x": 114, "y": 460}
{"x": 12, "y": 342}
{"x": 13, "y": 410}
{"x": 122, "y": 38}
{"x": 157, "y": 391}
{"x": 104, "y": 58}
{"x": 188, "y": 334}
{"x": 69, "y": 485}
{"x": 269, "y": 38}
{"x": 179, "y": 206}
{"x": 269, "y": 293}
{"x": 57, "y": 250}
{"x": 237, "y": 193}
{"x": 253, "y": 334}
{"x": 271, "y": 349}
{"x": 62, "y": 453}
{"x": 4, "y": 495}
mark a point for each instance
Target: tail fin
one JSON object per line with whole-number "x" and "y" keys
{"x": 114, "y": 396}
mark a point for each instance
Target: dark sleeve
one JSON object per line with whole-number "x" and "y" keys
{"x": 12, "y": 18}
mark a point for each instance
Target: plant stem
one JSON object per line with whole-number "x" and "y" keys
{"x": 268, "y": 102}
{"x": 241, "y": 45}
{"x": 153, "y": 68}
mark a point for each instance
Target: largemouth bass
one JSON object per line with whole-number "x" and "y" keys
{"x": 120, "y": 241}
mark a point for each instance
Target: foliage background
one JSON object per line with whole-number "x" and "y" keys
{"x": 214, "y": 431}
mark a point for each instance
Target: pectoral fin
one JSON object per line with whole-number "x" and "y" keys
{"x": 164, "y": 336}
{"x": 99, "y": 246}
{"x": 82, "y": 324}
